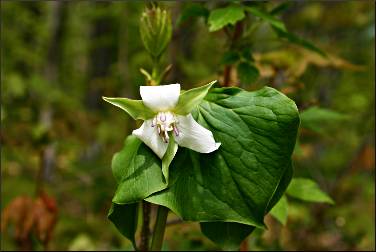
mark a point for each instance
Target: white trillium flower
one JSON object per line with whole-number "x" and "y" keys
{"x": 186, "y": 131}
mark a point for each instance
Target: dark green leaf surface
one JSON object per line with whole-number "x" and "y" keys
{"x": 125, "y": 219}
{"x": 247, "y": 175}
{"x": 137, "y": 171}
{"x": 308, "y": 190}
{"x": 228, "y": 235}
{"x": 223, "y": 16}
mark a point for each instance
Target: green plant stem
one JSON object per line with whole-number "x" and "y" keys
{"x": 145, "y": 226}
{"x": 155, "y": 75}
{"x": 159, "y": 229}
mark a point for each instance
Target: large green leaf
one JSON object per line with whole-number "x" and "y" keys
{"x": 228, "y": 235}
{"x": 221, "y": 17}
{"x": 137, "y": 171}
{"x": 246, "y": 176}
{"x": 125, "y": 219}
{"x": 308, "y": 190}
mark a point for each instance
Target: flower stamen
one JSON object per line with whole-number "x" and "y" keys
{"x": 165, "y": 122}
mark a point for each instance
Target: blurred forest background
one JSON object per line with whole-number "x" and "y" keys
{"x": 58, "y": 136}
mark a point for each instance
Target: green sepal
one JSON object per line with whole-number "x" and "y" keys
{"x": 169, "y": 156}
{"x": 135, "y": 108}
{"x": 188, "y": 100}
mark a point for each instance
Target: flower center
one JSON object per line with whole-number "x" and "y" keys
{"x": 165, "y": 122}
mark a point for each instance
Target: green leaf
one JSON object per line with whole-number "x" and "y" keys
{"x": 192, "y": 11}
{"x": 308, "y": 190}
{"x": 320, "y": 119}
{"x": 230, "y": 57}
{"x": 267, "y": 17}
{"x": 125, "y": 219}
{"x": 188, "y": 100}
{"x": 280, "y": 210}
{"x": 135, "y": 108}
{"x": 247, "y": 55}
{"x": 248, "y": 73}
{"x": 169, "y": 156}
{"x": 246, "y": 176}
{"x": 280, "y": 8}
{"x": 292, "y": 38}
{"x": 227, "y": 235}
{"x": 138, "y": 172}
{"x": 221, "y": 17}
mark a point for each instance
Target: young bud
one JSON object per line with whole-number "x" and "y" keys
{"x": 156, "y": 30}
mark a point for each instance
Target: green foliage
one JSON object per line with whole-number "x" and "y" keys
{"x": 202, "y": 185}
{"x": 320, "y": 119}
{"x": 228, "y": 235}
{"x": 230, "y": 57}
{"x": 221, "y": 17}
{"x": 308, "y": 190}
{"x": 266, "y": 17}
{"x": 125, "y": 219}
{"x": 295, "y": 39}
{"x": 192, "y": 11}
{"x": 247, "y": 72}
{"x": 280, "y": 210}
{"x": 135, "y": 108}
{"x": 98, "y": 52}
{"x": 134, "y": 167}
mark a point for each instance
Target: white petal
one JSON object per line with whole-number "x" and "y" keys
{"x": 150, "y": 137}
{"x": 193, "y": 136}
{"x": 160, "y": 98}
